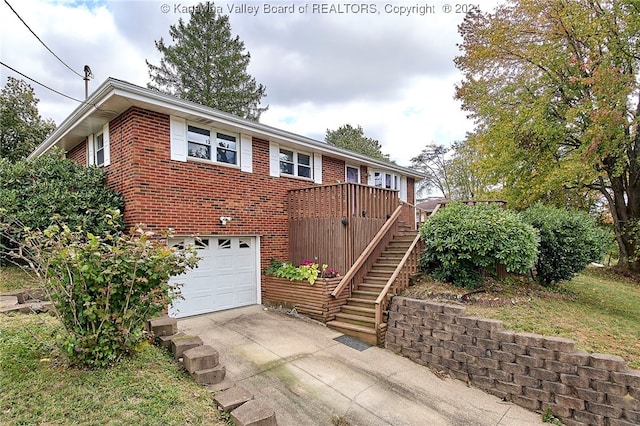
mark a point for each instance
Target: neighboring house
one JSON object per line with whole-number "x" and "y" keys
{"x": 227, "y": 185}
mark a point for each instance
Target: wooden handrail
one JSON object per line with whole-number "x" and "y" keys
{"x": 393, "y": 277}
{"x": 348, "y": 276}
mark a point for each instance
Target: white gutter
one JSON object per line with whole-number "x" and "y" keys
{"x": 113, "y": 87}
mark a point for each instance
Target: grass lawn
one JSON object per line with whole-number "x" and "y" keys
{"x": 37, "y": 388}
{"x": 14, "y": 278}
{"x": 599, "y": 310}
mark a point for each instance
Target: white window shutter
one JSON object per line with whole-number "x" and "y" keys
{"x": 178, "y": 131}
{"x": 403, "y": 188}
{"x": 317, "y": 168}
{"x": 107, "y": 144}
{"x": 91, "y": 151}
{"x": 274, "y": 159}
{"x": 246, "y": 153}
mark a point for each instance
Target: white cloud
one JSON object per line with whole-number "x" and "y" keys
{"x": 391, "y": 74}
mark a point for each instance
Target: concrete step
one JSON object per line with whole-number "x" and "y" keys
{"x": 358, "y": 310}
{"x": 163, "y": 326}
{"x": 254, "y": 413}
{"x": 200, "y": 358}
{"x": 165, "y": 341}
{"x": 210, "y": 375}
{"x": 356, "y": 319}
{"x": 232, "y": 398}
{"x": 184, "y": 343}
{"x": 366, "y": 334}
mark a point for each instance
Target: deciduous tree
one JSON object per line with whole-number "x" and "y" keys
{"x": 554, "y": 88}
{"x": 207, "y": 65}
{"x": 353, "y": 138}
{"x": 21, "y": 127}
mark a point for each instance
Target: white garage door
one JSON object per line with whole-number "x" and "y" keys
{"x": 226, "y": 276}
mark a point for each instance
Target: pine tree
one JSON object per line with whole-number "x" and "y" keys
{"x": 207, "y": 65}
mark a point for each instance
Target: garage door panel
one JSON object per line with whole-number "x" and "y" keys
{"x": 226, "y": 277}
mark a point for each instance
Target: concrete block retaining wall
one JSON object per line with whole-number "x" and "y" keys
{"x": 531, "y": 370}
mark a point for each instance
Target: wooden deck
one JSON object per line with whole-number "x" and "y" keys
{"x": 334, "y": 223}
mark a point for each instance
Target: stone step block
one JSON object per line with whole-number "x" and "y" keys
{"x": 184, "y": 343}
{"x": 165, "y": 341}
{"x": 210, "y": 375}
{"x": 232, "y": 398}
{"x": 253, "y": 413}
{"x": 163, "y": 326}
{"x": 200, "y": 358}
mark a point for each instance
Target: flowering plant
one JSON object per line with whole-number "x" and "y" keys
{"x": 307, "y": 270}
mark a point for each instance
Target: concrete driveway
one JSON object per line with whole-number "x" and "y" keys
{"x": 296, "y": 367}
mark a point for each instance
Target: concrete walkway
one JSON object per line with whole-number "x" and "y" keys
{"x": 297, "y": 368}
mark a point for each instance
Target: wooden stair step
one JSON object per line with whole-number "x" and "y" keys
{"x": 359, "y": 310}
{"x": 366, "y": 334}
{"x": 367, "y": 295}
{"x": 356, "y": 319}
{"x": 377, "y": 288}
{"x": 363, "y": 303}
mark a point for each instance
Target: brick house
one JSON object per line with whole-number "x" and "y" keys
{"x": 233, "y": 184}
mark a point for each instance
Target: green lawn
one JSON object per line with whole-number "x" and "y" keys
{"x": 14, "y": 278}
{"x": 599, "y": 310}
{"x": 38, "y": 388}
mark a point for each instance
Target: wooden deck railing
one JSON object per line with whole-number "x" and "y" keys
{"x": 399, "y": 280}
{"x": 370, "y": 254}
{"x": 334, "y": 223}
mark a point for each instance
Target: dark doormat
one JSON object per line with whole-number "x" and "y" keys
{"x": 352, "y": 342}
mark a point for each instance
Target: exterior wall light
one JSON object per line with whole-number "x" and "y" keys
{"x": 224, "y": 220}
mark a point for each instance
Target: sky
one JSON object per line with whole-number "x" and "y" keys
{"x": 384, "y": 65}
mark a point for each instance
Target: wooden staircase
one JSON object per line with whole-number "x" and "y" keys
{"x": 357, "y": 317}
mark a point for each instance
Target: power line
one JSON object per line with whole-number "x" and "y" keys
{"x": 44, "y": 85}
{"x": 47, "y": 47}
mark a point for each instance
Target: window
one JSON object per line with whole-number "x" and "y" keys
{"x": 352, "y": 174}
{"x": 199, "y": 145}
{"x": 386, "y": 180}
{"x": 295, "y": 163}
{"x": 99, "y": 150}
{"x": 224, "y": 244}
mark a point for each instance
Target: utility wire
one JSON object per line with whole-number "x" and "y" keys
{"x": 47, "y": 47}
{"x": 44, "y": 85}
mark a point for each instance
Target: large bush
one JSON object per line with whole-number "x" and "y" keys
{"x": 569, "y": 241}
{"x": 105, "y": 287}
{"x": 33, "y": 191}
{"x": 463, "y": 242}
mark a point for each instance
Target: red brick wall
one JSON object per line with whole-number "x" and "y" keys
{"x": 411, "y": 196}
{"x": 333, "y": 170}
{"x": 79, "y": 153}
{"x": 190, "y": 197}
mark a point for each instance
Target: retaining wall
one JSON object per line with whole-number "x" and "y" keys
{"x": 531, "y": 370}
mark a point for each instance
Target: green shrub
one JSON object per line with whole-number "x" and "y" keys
{"x": 33, "y": 191}
{"x": 463, "y": 242}
{"x": 104, "y": 288}
{"x": 569, "y": 241}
